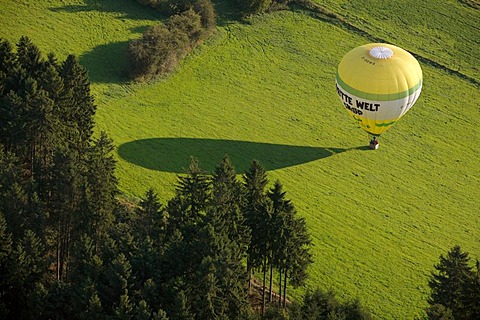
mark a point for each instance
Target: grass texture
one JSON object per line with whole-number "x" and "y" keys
{"x": 264, "y": 88}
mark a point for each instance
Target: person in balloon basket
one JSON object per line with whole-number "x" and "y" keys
{"x": 374, "y": 143}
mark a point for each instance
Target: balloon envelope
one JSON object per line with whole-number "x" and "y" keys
{"x": 377, "y": 84}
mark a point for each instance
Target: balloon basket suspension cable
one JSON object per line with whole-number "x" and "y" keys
{"x": 374, "y": 142}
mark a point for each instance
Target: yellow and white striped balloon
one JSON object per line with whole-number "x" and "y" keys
{"x": 377, "y": 84}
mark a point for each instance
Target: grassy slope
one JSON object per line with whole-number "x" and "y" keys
{"x": 444, "y": 31}
{"x": 265, "y": 90}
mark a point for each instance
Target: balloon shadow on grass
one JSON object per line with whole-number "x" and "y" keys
{"x": 173, "y": 154}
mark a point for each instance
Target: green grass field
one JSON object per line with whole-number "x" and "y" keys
{"x": 264, "y": 89}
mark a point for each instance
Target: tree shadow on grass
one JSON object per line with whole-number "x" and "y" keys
{"x": 107, "y": 63}
{"x": 173, "y": 154}
{"x": 228, "y": 11}
{"x": 124, "y": 9}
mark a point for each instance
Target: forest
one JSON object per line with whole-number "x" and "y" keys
{"x": 71, "y": 249}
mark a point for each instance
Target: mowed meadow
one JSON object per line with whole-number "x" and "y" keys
{"x": 263, "y": 88}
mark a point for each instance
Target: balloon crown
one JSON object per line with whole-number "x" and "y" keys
{"x": 381, "y": 52}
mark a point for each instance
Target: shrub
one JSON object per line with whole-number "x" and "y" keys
{"x": 161, "y": 47}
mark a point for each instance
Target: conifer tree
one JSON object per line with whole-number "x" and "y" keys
{"x": 64, "y": 197}
{"x": 7, "y": 62}
{"x": 87, "y": 264}
{"x": 160, "y": 315}
{"x": 227, "y": 203}
{"x": 221, "y": 274}
{"x": 142, "y": 311}
{"x": 100, "y": 187}
{"x": 181, "y": 308}
{"x": 29, "y": 57}
{"x": 255, "y": 181}
{"x": 59, "y": 302}
{"x": 206, "y": 298}
{"x": 283, "y": 211}
{"x": 150, "y": 220}
{"x": 78, "y": 114}
{"x": 124, "y": 309}
{"x": 151, "y": 292}
{"x": 116, "y": 285}
{"x": 453, "y": 275}
{"x": 299, "y": 257}
{"x": 13, "y": 196}
{"x": 186, "y": 209}
{"x": 29, "y": 268}
{"x": 473, "y": 293}
{"x": 93, "y": 309}
{"x": 146, "y": 261}
{"x": 6, "y": 245}
{"x": 57, "y": 188}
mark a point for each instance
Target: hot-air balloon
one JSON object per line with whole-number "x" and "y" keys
{"x": 377, "y": 84}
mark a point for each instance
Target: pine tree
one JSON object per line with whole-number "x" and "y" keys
{"x": 78, "y": 114}
{"x": 6, "y": 245}
{"x": 146, "y": 261}
{"x": 255, "y": 181}
{"x": 87, "y": 264}
{"x": 206, "y": 299}
{"x": 192, "y": 195}
{"x": 318, "y": 305}
{"x": 473, "y": 294}
{"x": 299, "y": 257}
{"x": 453, "y": 275}
{"x": 354, "y": 310}
{"x": 283, "y": 211}
{"x": 54, "y": 132}
{"x": 13, "y": 196}
{"x": 8, "y": 62}
{"x": 93, "y": 309}
{"x": 160, "y": 315}
{"x": 116, "y": 284}
{"x": 151, "y": 293}
{"x": 8, "y": 65}
{"x": 124, "y": 309}
{"x": 142, "y": 311}
{"x": 264, "y": 240}
{"x": 40, "y": 124}
{"x": 57, "y": 191}
{"x": 59, "y": 302}
{"x": 29, "y": 57}
{"x": 221, "y": 276}
{"x": 227, "y": 203}
{"x": 194, "y": 191}
{"x": 100, "y": 188}
{"x": 181, "y": 308}
{"x": 64, "y": 196}
{"x": 150, "y": 220}
{"x": 28, "y": 274}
